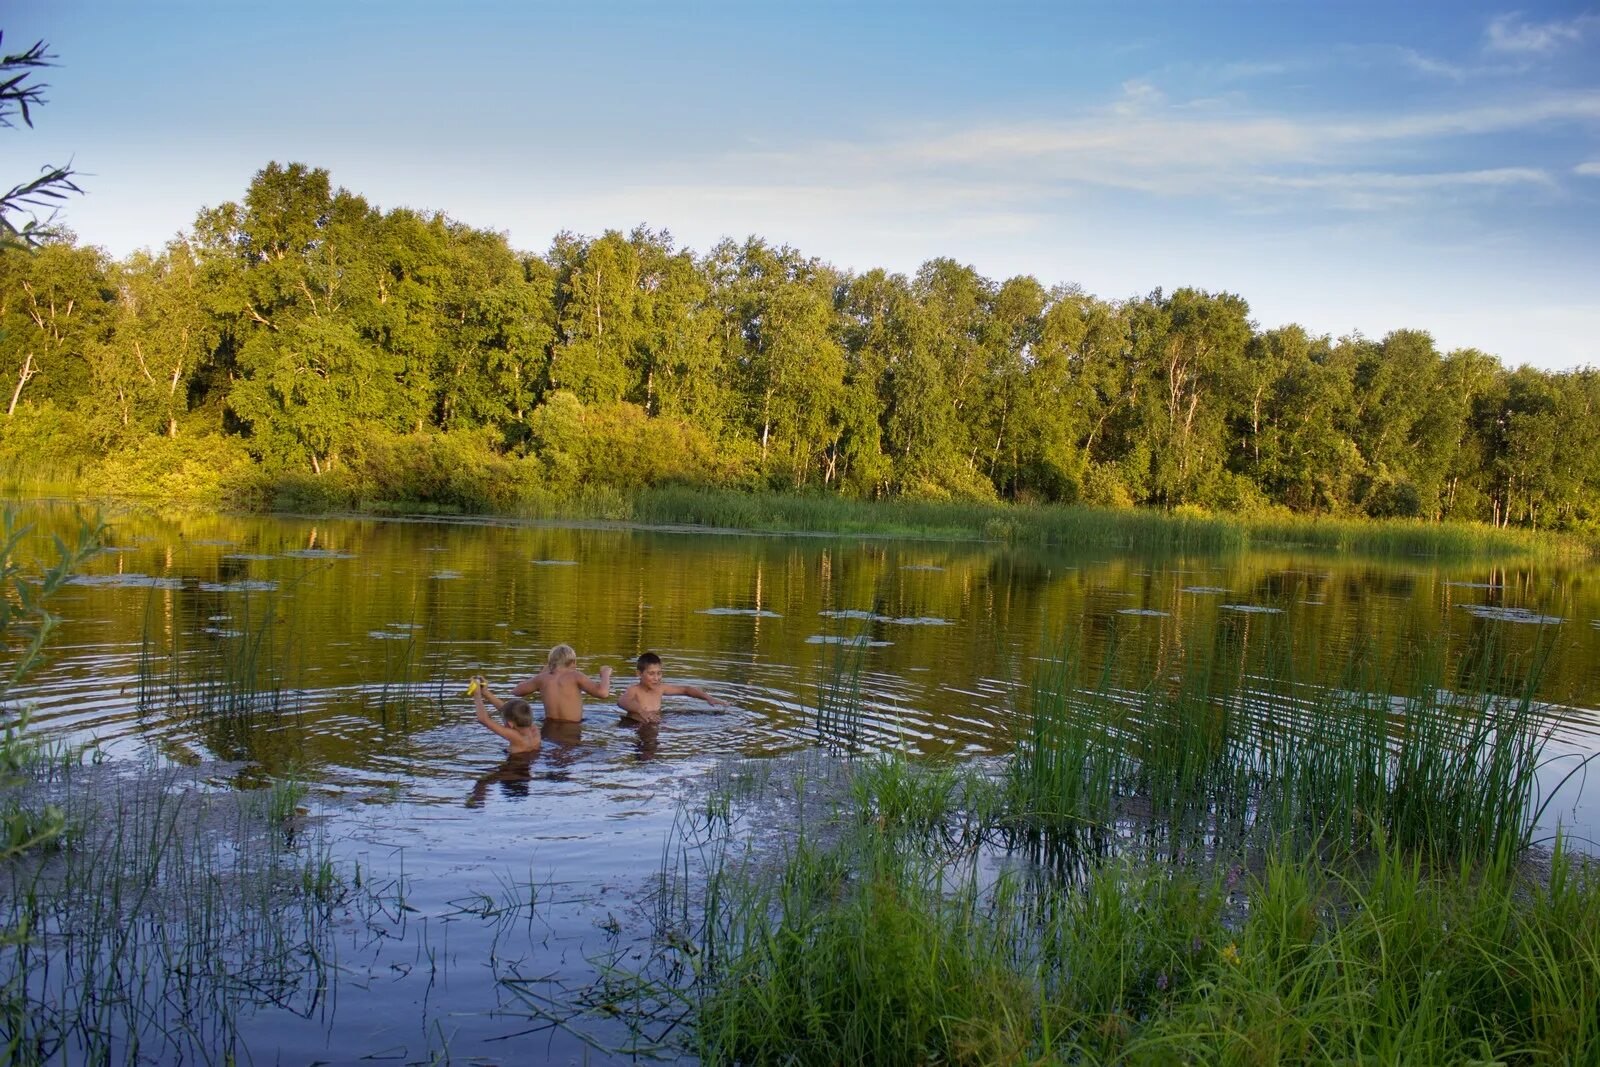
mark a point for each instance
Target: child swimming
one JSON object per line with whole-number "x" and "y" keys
{"x": 561, "y": 686}
{"x": 642, "y": 700}
{"x": 519, "y": 729}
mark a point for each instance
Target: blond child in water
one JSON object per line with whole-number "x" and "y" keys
{"x": 519, "y": 730}
{"x": 561, "y": 686}
{"x": 642, "y": 700}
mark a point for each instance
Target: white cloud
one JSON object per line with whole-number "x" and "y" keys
{"x": 1512, "y": 34}
{"x": 1138, "y": 95}
{"x": 1144, "y": 144}
{"x": 1591, "y": 169}
{"x": 1256, "y": 69}
{"x": 1482, "y": 119}
{"x": 1425, "y": 64}
{"x": 1413, "y": 182}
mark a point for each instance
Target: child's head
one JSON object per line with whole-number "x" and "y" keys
{"x": 649, "y": 666}
{"x": 562, "y": 656}
{"x": 518, "y": 712}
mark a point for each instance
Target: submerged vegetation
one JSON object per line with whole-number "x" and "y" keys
{"x": 301, "y": 347}
{"x": 169, "y": 913}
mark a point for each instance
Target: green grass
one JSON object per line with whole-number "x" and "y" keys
{"x": 882, "y": 947}
{"x": 170, "y": 914}
{"x": 1220, "y": 866}
{"x": 1130, "y": 529}
{"x": 507, "y": 490}
{"x": 1228, "y": 744}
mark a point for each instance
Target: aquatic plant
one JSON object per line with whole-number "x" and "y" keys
{"x": 1057, "y": 525}
{"x": 175, "y": 913}
{"x": 1230, "y": 744}
{"x": 865, "y": 944}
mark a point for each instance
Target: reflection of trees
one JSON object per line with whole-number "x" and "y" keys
{"x": 344, "y": 697}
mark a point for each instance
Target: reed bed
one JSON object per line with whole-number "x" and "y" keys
{"x": 164, "y": 916}
{"x": 228, "y": 680}
{"x": 1060, "y": 525}
{"x": 1220, "y": 750}
{"x": 1224, "y": 865}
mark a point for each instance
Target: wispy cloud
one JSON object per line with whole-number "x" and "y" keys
{"x": 1480, "y": 119}
{"x": 1425, "y": 64}
{"x": 1146, "y": 145}
{"x": 1257, "y": 69}
{"x": 1498, "y": 176}
{"x": 1512, "y": 34}
{"x": 1591, "y": 169}
{"x": 1143, "y": 142}
{"x": 1371, "y": 191}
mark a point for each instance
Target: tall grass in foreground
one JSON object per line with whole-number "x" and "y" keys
{"x": 878, "y": 946}
{"x": 1224, "y": 866}
{"x": 1217, "y": 753}
{"x": 167, "y": 916}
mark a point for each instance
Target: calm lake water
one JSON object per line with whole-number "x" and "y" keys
{"x": 353, "y": 640}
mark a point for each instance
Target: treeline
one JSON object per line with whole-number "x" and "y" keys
{"x": 304, "y": 338}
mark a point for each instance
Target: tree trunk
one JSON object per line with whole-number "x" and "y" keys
{"x": 22, "y": 379}
{"x": 172, "y": 396}
{"x": 766, "y": 423}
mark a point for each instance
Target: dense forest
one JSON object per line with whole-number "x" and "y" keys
{"x": 304, "y": 342}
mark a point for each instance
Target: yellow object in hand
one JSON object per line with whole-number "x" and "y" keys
{"x": 473, "y": 688}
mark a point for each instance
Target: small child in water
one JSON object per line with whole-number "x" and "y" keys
{"x": 642, "y": 700}
{"x": 519, "y": 730}
{"x": 561, "y": 686}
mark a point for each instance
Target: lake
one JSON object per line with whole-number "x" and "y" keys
{"x": 225, "y": 651}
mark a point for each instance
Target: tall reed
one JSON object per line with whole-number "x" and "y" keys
{"x": 1058, "y": 525}
{"x": 878, "y": 945}
{"x": 1235, "y": 745}
{"x": 171, "y": 916}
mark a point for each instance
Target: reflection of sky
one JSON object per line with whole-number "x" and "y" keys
{"x": 1352, "y": 166}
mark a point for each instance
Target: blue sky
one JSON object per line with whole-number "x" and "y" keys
{"x": 1348, "y": 166}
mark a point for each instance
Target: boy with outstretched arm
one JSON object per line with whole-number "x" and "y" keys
{"x": 519, "y": 731}
{"x": 642, "y": 700}
{"x": 561, "y": 686}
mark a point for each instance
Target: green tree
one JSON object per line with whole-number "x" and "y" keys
{"x": 1407, "y": 423}
{"x": 792, "y": 365}
{"x": 1202, "y": 340}
{"x": 318, "y": 362}
{"x": 54, "y": 306}
{"x": 1300, "y": 453}
{"x": 161, "y": 336}
{"x": 1010, "y": 340}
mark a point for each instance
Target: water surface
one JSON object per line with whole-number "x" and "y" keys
{"x": 340, "y": 648}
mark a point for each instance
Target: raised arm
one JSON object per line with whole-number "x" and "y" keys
{"x": 488, "y": 694}
{"x": 693, "y": 691}
{"x": 528, "y": 686}
{"x": 602, "y": 689}
{"x": 486, "y": 719}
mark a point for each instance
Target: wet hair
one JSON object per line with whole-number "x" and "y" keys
{"x": 562, "y": 656}
{"x": 647, "y": 659}
{"x": 518, "y": 712}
